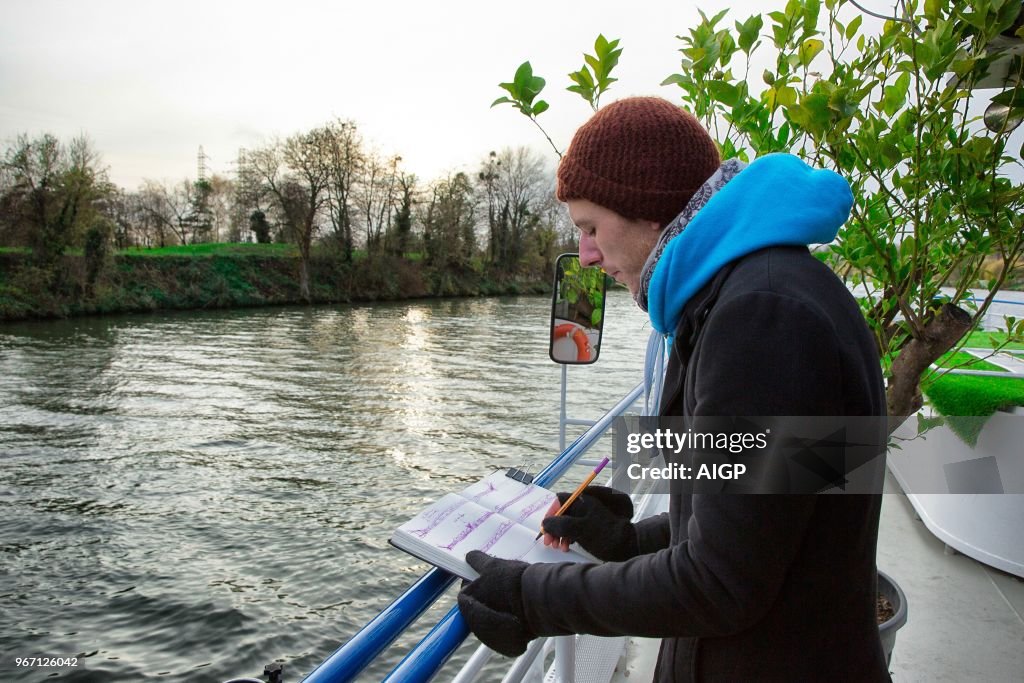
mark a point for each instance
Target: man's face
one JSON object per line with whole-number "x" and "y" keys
{"x": 619, "y": 245}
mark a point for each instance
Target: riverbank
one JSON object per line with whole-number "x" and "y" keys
{"x": 133, "y": 282}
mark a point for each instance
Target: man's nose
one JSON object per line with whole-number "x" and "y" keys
{"x": 590, "y": 255}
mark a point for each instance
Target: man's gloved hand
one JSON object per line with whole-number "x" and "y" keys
{"x": 599, "y": 520}
{"x": 492, "y": 605}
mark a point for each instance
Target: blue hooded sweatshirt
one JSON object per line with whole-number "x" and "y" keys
{"x": 777, "y": 200}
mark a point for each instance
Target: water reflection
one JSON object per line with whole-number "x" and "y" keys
{"x": 213, "y": 490}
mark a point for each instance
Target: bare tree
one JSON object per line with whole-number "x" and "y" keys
{"x": 487, "y": 180}
{"x": 156, "y": 219}
{"x": 345, "y": 157}
{"x": 516, "y": 185}
{"x": 376, "y": 197}
{"x": 168, "y": 209}
{"x": 124, "y": 211}
{"x": 295, "y": 173}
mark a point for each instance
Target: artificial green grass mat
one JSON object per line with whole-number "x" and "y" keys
{"x": 983, "y": 340}
{"x": 962, "y": 398}
{"x": 966, "y": 361}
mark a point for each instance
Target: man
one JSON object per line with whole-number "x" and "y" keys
{"x": 739, "y": 587}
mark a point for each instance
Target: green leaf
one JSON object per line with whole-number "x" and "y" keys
{"x": 809, "y": 49}
{"x": 502, "y": 100}
{"x": 582, "y": 78}
{"x": 723, "y": 92}
{"x": 782, "y": 96}
{"x": 784, "y": 131}
{"x": 963, "y": 65}
{"x": 540, "y": 107}
{"x": 810, "y": 16}
{"x": 718, "y": 17}
{"x": 787, "y": 96}
{"x": 749, "y": 32}
{"x": 851, "y": 29}
{"x": 677, "y": 79}
{"x": 768, "y": 77}
{"x": 895, "y": 96}
{"x": 511, "y": 88}
{"x": 812, "y": 114}
{"x": 840, "y": 103}
{"x": 1011, "y": 98}
{"x": 523, "y": 74}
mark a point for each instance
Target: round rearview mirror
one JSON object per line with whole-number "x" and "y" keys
{"x": 577, "y": 312}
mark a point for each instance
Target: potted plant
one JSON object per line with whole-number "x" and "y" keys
{"x": 892, "y": 613}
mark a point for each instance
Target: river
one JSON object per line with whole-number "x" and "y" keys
{"x": 189, "y": 496}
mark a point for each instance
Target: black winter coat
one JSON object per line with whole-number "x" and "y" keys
{"x": 749, "y": 587}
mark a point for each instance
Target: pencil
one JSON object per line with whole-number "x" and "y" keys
{"x": 577, "y": 492}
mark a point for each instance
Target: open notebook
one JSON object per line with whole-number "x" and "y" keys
{"x": 498, "y": 515}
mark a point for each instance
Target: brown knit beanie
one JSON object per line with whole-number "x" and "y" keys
{"x": 641, "y": 157}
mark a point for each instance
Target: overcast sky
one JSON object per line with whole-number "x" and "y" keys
{"x": 150, "y": 81}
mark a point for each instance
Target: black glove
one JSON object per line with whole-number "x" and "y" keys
{"x": 492, "y": 605}
{"x": 599, "y": 520}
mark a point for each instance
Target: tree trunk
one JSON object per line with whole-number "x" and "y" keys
{"x": 305, "y": 246}
{"x": 304, "y": 278}
{"x": 903, "y": 396}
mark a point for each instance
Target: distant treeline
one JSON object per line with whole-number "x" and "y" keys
{"x": 325, "y": 192}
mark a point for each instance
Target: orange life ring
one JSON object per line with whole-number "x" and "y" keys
{"x": 579, "y": 337}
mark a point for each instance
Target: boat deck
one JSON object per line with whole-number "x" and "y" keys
{"x": 965, "y": 619}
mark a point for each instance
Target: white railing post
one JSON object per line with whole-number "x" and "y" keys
{"x": 565, "y": 659}
{"x": 562, "y": 415}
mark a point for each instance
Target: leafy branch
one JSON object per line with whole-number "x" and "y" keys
{"x": 594, "y": 79}
{"x": 591, "y": 81}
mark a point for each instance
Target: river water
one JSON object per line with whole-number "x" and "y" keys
{"x": 190, "y": 496}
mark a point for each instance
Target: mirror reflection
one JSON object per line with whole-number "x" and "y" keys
{"x": 577, "y": 312}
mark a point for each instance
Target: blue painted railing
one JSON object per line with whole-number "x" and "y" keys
{"x": 430, "y": 654}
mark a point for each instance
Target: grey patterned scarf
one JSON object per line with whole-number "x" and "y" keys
{"x": 726, "y": 172}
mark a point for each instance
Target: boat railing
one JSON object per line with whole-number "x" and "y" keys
{"x": 425, "y": 659}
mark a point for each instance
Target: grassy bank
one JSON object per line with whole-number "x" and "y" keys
{"x": 227, "y": 276}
